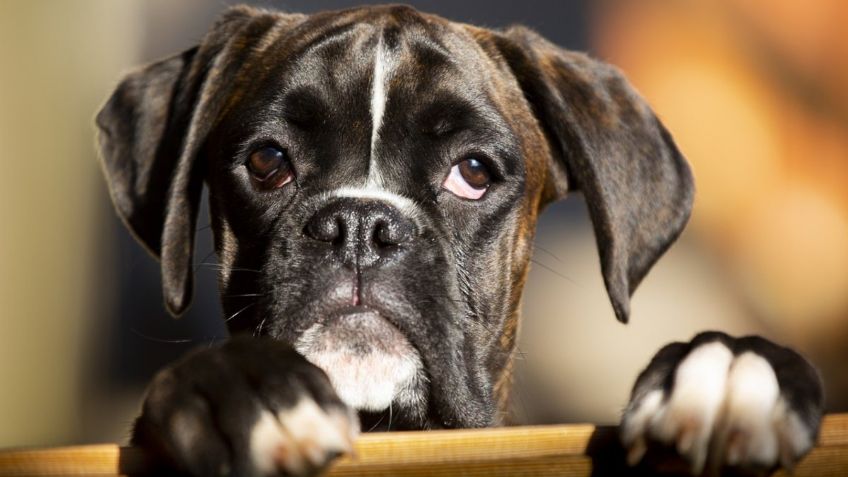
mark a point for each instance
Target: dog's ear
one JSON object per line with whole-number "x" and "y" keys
{"x": 606, "y": 142}
{"x": 151, "y": 131}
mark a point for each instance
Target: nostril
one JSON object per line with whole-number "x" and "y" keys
{"x": 341, "y": 232}
{"x": 383, "y": 236}
{"x": 361, "y": 234}
{"x": 388, "y": 233}
{"x": 325, "y": 228}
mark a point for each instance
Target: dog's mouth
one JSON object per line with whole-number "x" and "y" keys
{"x": 370, "y": 363}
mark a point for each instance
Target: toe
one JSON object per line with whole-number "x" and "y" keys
{"x": 302, "y": 438}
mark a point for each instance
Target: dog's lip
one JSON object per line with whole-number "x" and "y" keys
{"x": 355, "y": 310}
{"x": 352, "y": 310}
{"x": 329, "y": 314}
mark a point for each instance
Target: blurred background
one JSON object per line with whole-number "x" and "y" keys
{"x": 753, "y": 91}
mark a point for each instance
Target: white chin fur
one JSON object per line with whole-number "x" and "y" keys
{"x": 369, "y": 362}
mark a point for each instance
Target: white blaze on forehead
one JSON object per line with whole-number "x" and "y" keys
{"x": 383, "y": 63}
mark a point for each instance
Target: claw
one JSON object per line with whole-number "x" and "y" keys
{"x": 636, "y": 452}
{"x": 735, "y": 448}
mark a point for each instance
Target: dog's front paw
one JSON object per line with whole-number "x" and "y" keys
{"x": 725, "y": 403}
{"x": 250, "y": 407}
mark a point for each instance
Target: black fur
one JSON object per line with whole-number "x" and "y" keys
{"x": 217, "y": 394}
{"x": 446, "y": 274}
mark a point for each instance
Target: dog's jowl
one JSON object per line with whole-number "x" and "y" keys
{"x": 374, "y": 180}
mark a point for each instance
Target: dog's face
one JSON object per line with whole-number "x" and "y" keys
{"x": 374, "y": 179}
{"x": 373, "y": 199}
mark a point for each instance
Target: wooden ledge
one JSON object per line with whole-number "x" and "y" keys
{"x": 563, "y": 450}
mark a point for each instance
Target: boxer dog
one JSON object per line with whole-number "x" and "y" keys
{"x": 375, "y": 176}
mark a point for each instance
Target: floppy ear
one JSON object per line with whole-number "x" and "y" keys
{"x": 606, "y": 142}
{"x": 150, "y": 133}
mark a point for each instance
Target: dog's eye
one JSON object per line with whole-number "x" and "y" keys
{"x": 270, "y": 167}
{"x": 469, "y": 179}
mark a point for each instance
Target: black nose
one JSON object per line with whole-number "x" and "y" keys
{"x": 362, "y": 233}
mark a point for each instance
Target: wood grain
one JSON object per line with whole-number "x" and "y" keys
{"x": 562, "y": 450}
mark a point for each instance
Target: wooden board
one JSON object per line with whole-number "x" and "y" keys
{"x": 562, "y": 450}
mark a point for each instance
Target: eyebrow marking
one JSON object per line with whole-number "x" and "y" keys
{"x": 383, "y": 63}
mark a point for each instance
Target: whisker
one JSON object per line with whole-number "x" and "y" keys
{"x": 244, "y": 295}
{"x": 169, "y": 340}
{"x": 554, "y": 272}
{"x": 203, "y": 261}
{"x": 445, "y": 297}
{"x": 518, "y": 389}
{"x": 382, "y": 416}
{"x": 546, "y": 251}
{"x": 520, "y": 354}
{"x": 258, "y": 330}
{"x": 239, "y": 312}
{"x": 218, "y": 266}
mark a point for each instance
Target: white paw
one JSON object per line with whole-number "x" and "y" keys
{"x": 301, "y": 439}
{"x": 722, "y": 410}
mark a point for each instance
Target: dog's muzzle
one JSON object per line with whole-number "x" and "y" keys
{"x": 368, "y": 359}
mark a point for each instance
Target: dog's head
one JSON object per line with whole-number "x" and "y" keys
{"x": 374, "y": 180}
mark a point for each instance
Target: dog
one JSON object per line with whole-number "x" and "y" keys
{"x": 375, "y": 175}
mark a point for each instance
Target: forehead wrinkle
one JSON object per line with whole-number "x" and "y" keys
{"x": 292, "y": 50}
{"x": 310, "y": 40}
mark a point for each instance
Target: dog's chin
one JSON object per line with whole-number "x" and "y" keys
{"x": 369, "y": 361}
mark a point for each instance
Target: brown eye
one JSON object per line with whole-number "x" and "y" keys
{"x": 270, "y": 167}
{"x": 475, "y": 173}
{"x": 469, "y": 179}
